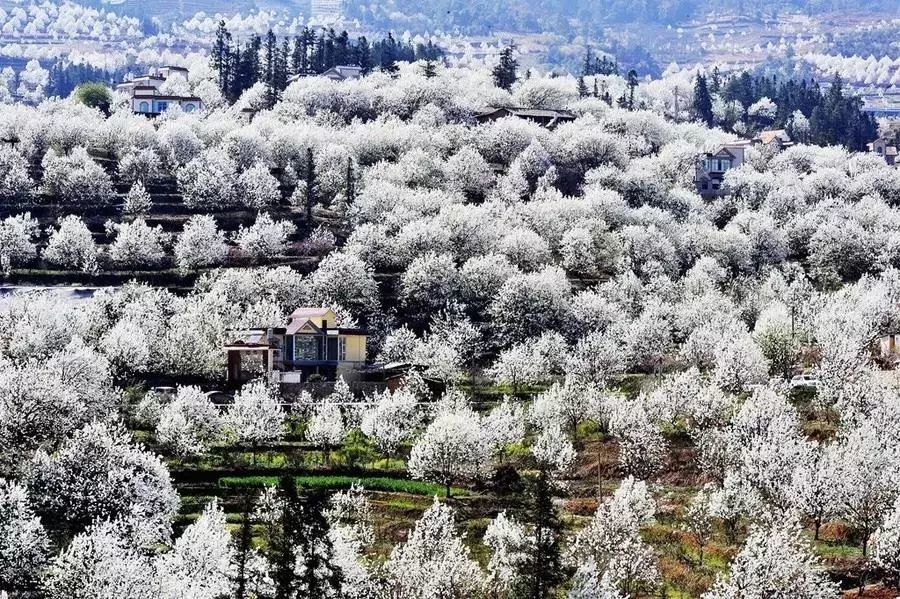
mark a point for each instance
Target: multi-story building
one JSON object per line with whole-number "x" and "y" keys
{"x": 310, "y": 343}
{"x": 712, "y": 167}
{"x": 155, "y": 92}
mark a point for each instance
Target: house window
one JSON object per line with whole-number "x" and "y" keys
{"x": 143, "y": 107}
{"x": 161, "y": 106}
{"x": 305, "y": 348}
{"x": 705, "y": 184}
{"x": 189, "y": 107}
{"x": 342, "y": 349}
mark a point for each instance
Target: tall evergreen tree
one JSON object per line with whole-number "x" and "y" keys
{"x": 282, "y": 72}
{"x": 543, "y": 570}
{"x": 702, "y": 101}
{"x": 587, "y": 66}
{"x": 310, "y": 186}
{"x": 582, "y": 87}
{"x": 389, "y": 51}
{"x": 632, "y": 81}
{"x": 364, "y": 55}
{"x": 350, "y": 182}
{"x": 300, "y": 548}
{"x": 505, "y": 71}
{"x": 429, "y": 69}
{"x": 271, "y": 58}
{"x": 244, "y": 545}
{"x": 300, "y": 54}
{"x": 221, "y": 58}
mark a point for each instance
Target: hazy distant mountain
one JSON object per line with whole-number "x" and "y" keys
{"x": 485, "y": 16}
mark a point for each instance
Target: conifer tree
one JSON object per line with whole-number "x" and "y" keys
{"x": 310, "y": 185}
{"x": 543, "y": 570}
{"x": 389, "y": 55}
{"x": 429, "y": 69}
{"x": 350, "y": 182}
{"x": 702, "y": 101}
{"x": 221, "y": 58}
{"x": 632, "y": 85}
{"x": 270, "y": 67}
{"x": 364, "y": 55}
{"x": 505, "y": 71}
{"x": 582, "y": 87}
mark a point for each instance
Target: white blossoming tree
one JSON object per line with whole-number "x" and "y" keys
{"x": 71, "y": 245}
{"x": 611, "y": 543}
{"x": 255, "y": 418}
{"x": 453, "y": 447}
{"x": 137, "y": 200}
{"x": 190, "y": 423}
{"x": 266, "y": 238}
{"x": 200, "y": 244}
{"x": 775, "y": 561}
{"x": 136, "y": 244}
{"x": 433, "y": 563}
{"x": 391, "y": 420}
{"x": 326, "y": 428}
{"x": 24, "y": 545}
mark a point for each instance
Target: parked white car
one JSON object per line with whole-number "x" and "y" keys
{"x": 804, "y": 380}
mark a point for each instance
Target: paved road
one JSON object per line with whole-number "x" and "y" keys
{"x": 69, "y": 294}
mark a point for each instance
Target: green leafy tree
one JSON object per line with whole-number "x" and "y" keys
{"x": 95, "y": 95}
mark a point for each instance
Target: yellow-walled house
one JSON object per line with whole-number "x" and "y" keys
{"x": 310, "y": 343}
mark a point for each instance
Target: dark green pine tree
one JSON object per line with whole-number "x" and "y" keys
{"x": 270, "y": 68}
{"x": 702, "y": 103}
{"x": 543, "y": 569}
{"x": 310, "y": 186}
{"x": 321, "y": 577}
{"x": 244, "y": 545}
{"x": 505, "y": 71}
{"x": 254, "y": 62}
{"x": 318, "y": 57}
{"x": 364, "y": 55}
{"x": 350, "y": 183}
{"x": 715, "y": 81}
{"x": 582, "y": 87}
{"x": 235, "y": 84}
{"x": 302, "y": 533}
{"x": 596, "y": 91}
{"x": 221, "y": 59}
{"x": 281, "y": 539}
{"x": 300, "y": 54}
{"x": 429, "y": 69}
{"x": 282, "y": 72}
{"x": 632, "y": 81}
{"x": 587, "y": 65}
{"x": 389, "y": 51}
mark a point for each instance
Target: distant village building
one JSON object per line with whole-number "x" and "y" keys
{"x": 774, "y": 138}
{"x": 310, "y": 343}
{"x": 712, "y": 166}
{"x": 326, "y": 11}
{"x": 343, "y": 72}
{"x": 884, "y": 147}
{"x": 150, "y": 96}
{"x": 543, "y": 116}
{"x": 889, "y": 346}
{"x": 337, "y": 73}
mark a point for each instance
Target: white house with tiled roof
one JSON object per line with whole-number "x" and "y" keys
{"x": 153, "y": 94}
{"x": 310, "y": 343}
{"x": 712, "y": 166}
